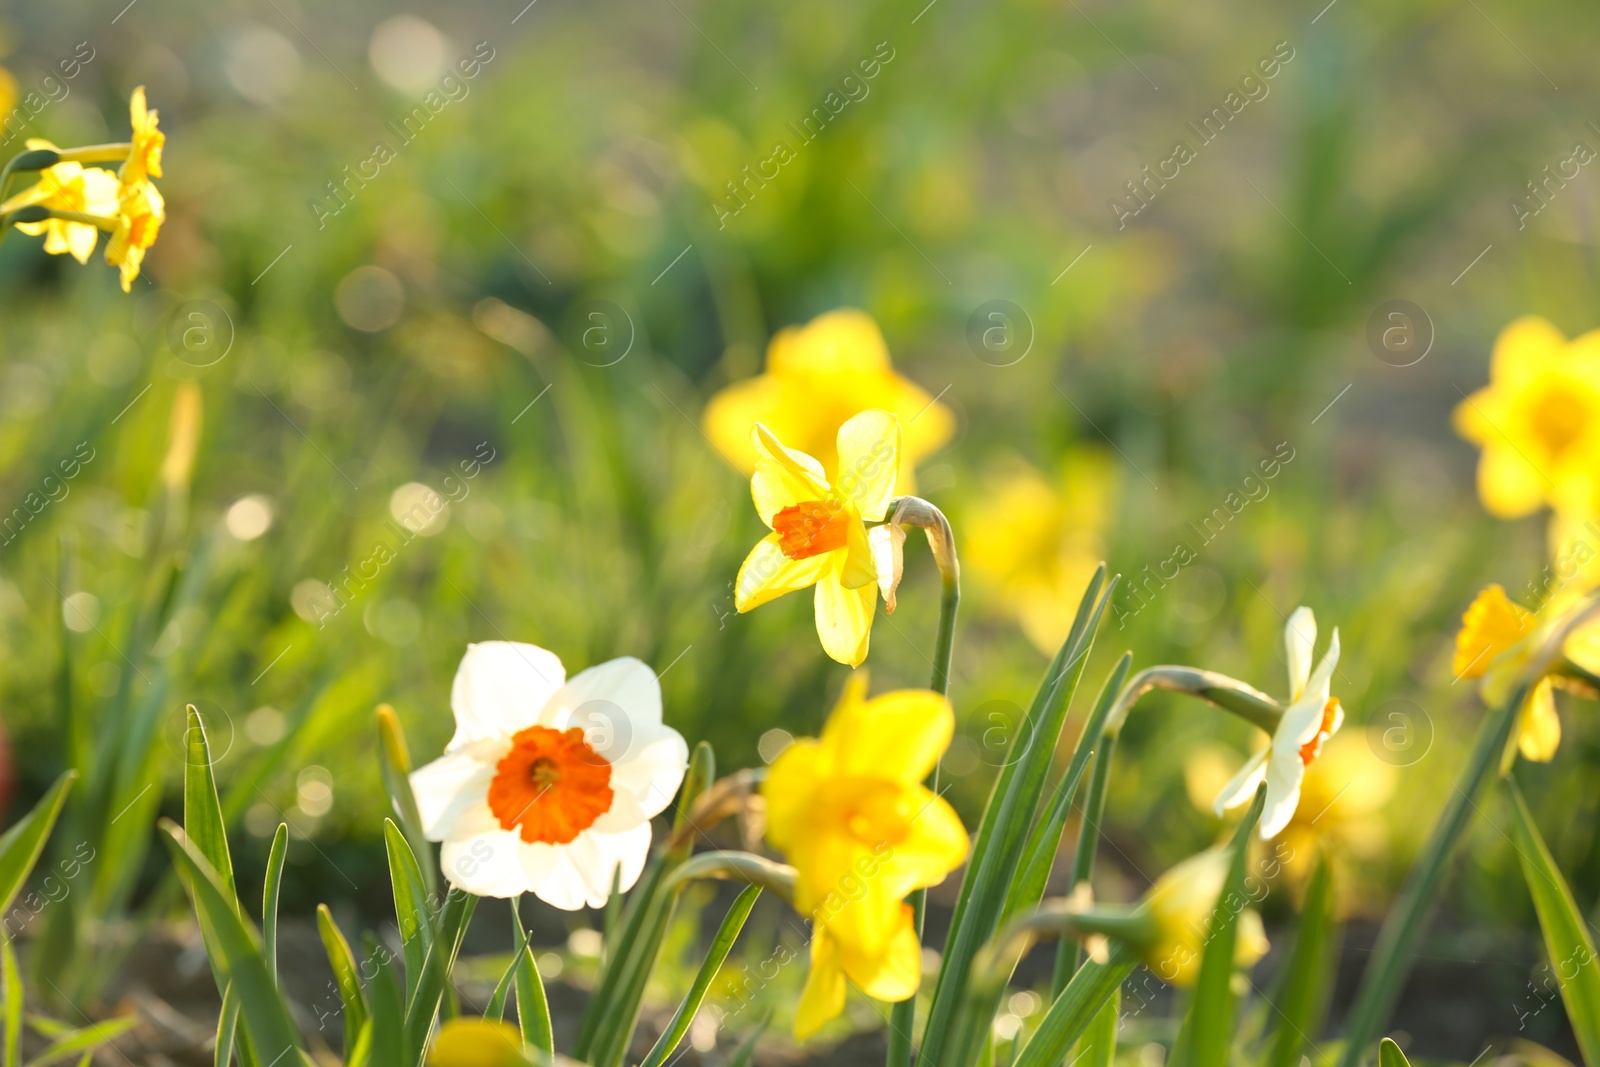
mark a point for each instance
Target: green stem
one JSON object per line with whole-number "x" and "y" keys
{"x": 1392, "y": 956}
{"x": 1069, "y": 954}
{"x": 1227, "y": 693}
{"x": 903, "y": 1017}
{"x": 96, "y": 153}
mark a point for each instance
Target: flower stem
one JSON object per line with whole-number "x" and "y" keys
{"x": 1230, "y": 694}
{"x": 914, "y": 511}
{"x": 96, "y": 153}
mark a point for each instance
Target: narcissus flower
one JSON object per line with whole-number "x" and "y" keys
{"x": 67, "y": 187}
{"x": 849, "y": 811}
{"x": 1538, "y": 421}
{"x": 1310, "y": 719}
{"x": 549, "y": 784}
{"x": 818, "y": 376}
{"x": 476, "y": 1043}
{"x": 140, "y": 214}
{"x": 819, "y": 537}
{"x": 1182, "y": 906}
{"x": 144, "y": 160}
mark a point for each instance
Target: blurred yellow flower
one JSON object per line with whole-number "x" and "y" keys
{"x": 1497, "y": 639}
{"x": 1183, "y": 903}
{"x": 818, "y": 534}
{"x": 67, "y": 187}
{"x": 1036, "y": 541}
{"x": 1538, "y": 420}
{"x": 818, "y": 376}
{"x": 139, "y": 217}
{"x": 476, "y": 1043}
{"x": 850, "y": 812}
{"x": 144, "y": 160}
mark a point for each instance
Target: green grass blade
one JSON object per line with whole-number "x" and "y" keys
{"x": 1007, "y": 819}
{"x": 1072, "y": 1013}
{"x": 410, "y": 904}
{"x": 1389, "y": 1055}
{"x": 346, "y": 979}
{"x": 1304, "y": 995}
{"x": 1566, "y": 935}
{"x": 1395, "y": 950}
{"x": 266, "y": 1018}
{"x": 727, "y": 933}
{"x": 227, "y": 1027}
{"x": 533, "y": 1010}
{"x": 395, "y": 765}
{"x": 87, "y": 1039}
{"x": 388, "y": 1018}
{"x": 619, "y": 1018}
{"x": 1209, "y": 1026}
{"x": 1098, "y": 1045}
{"x": 745, "y": 1054}
{"x": 202, "y": 810}
{"x": 21, "y": 845}
{"x": 422, "y": 1007}
{"x": 269, "y": 897}
{"x": 1069, "y": 954}
{"x": 12, "y": 977}
{"x": 1039, "y": 855}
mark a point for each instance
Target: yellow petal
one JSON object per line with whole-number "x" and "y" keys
{"x": 476, "y": 1043}
{"x": 783, "y": 477}
{"x": 935, "y": 844}
{"x": 1508, "y": 484}
{"x": 844, "y": 616}
{"x": 899, "y": 735}
{"x": 822, "y": 998}
{"x": 845, "y": 341}
{"x": 1523, "y": 348}
{"x": 1491, "y": 625}
{"x": 869, "y": 461}
{"x": 857, "y": 564}
{"x": 731, "y": 415}
{"x": 896, "y": 973}
{"x": 790, "y": 791}
{"x": 1538, "y": 725}
{"x": 767, "y": 574}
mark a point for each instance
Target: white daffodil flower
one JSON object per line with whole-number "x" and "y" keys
{"x": 549, "y": 785}
{"x": 1311, "y": 718}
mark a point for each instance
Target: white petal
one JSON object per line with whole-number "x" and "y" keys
{"x": 1243, "y": 785}
{"x": 652, "y": 771}
{"x": 623, "y": 815}
{"x": 579, "y": 874}
{"x": 500, "y": 687}
{"x": 888, "y": 559}
{"x": 452, "y": 787}
{"x": 488, "y": 865}
{"x": 617, "y": 705}
{"x": 1285, "y": 772}
{"x": 1299, "y": 645}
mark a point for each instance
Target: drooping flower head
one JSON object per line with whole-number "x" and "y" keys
{"x": 1184, "y": 904}
{"x": 819, "y": 537}
{"x": 817, "y": 377}
{"x": 144, "y": 161}
{"x": 849, "y": 811}
{"x": 67, "y": 187}
{"x": 140, "y": 214}
{"x": 549, "y": 784}
{"x": 1311, "y": 718}
{"x": 1538, "y": 420}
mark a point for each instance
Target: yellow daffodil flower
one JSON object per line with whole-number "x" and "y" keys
{"x": 476, "y": 1043}
{"x": 67, "y": 187}
{"x": 1035, "y": 541}
{"x": 818, "y": 534}
{"x": 1538, "y": 421}
{"x": 818, "y": 376}
{"x": 1498, "y": 637}
{"x": 1310, "y": 719}
{"x": 140, "y": 214}
{"x": 1182, "y": 904}
{"x": 144, "y": 161}
{"x": 849, "y": 811}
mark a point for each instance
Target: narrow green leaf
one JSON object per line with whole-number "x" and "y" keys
{"x": 269, "y": 897}
{"x": 727, "y": 933}
{"x": 1069, "y": 953}
{"x": 619, "y": 1018}
{"x": 745, "y": 1054}
{"x": 345, "y": 977}
{"x": 388, "y": 1021}
{"x": 1389, "y": 1055}
{"x": 701, "y": 775}
{"x": 1098, "y": 1045}
{"x": 422, "y": 1007}
{"x": 1209, "y": 1026}
{"x": 266, "y": 1018}
{"x": 202, "y": 811}
{"x": 410, "y": 904}
{"x": 395, "y": 764}
{"x": 1304, "y": 993}
{"x": 1072, "y": 1012}
{"x": 227, "y": 1026}
{"x": 1006, "y": 822}
{"x": 12, "y": 977}
{"x": 1566, "y": 934}
{"x": 533, "y": 1010}
{"x": 21, "y": 845}
{"x": 86, "y": 1039}
{"x": 359, "y": 1052}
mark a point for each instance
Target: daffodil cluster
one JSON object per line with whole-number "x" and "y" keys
{"x": 71, "y": 203}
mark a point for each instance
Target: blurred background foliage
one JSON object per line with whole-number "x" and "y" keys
{"x": 438, "y": 317}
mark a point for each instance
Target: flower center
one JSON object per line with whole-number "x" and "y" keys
{"x": 1313, "y": 748}
{"x": 811, "y": 528}
{"x": 1559, "y": 421}
{"x": 551, "y": 786}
